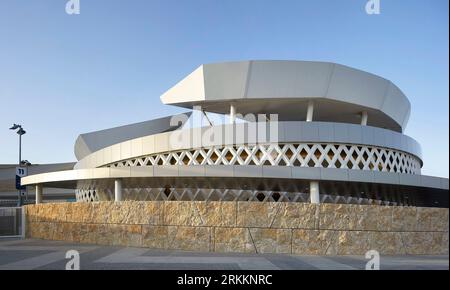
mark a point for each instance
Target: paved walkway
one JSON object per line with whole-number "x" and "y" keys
{"x": 40, "y": 254}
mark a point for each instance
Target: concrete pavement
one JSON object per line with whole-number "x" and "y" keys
{"x": 40, "y": 254}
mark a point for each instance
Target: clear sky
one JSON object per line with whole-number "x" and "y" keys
{"x": 62, "y": 75}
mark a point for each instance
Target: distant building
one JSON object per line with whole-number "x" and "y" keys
{"x": 9, "y": 193}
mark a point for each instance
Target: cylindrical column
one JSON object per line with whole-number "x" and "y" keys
{"x": 310, "y": 111}
{"x": 364, "y": 118}
{"x": 117, "y": 190}
{"x": 314, "y": 192}
{"x": 39, "y": 191}
{"x": 232, "y": 114}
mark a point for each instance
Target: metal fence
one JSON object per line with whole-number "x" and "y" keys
{"x": 12, "y": 222}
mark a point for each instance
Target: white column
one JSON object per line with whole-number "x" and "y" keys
{"x": 364, "y": 118}
{"x": 117, "y": 190}
{"x": 314, "y": 192}
{"x": 39, "y": 190}
{"x": 310, "y": 111}
{"x": 232, "y": 114}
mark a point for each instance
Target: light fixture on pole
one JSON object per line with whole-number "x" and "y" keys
{"x": 20, "y": 132}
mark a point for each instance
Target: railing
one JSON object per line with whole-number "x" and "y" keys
{"x": 324, "y": 155}
{"x": 12, "y": 222}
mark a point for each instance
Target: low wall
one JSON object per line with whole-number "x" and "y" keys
{"x": 252, "y": 227}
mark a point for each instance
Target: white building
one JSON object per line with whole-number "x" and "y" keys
{"x": 298, "y": 131}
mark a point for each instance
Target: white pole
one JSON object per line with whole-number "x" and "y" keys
{"x": 117, "y": 190}
{"x": 232, "y": 114}
{"x": 310, "y": 111}
{"x": 364, "y": 117}
{"x": 39, "y": 193}
{"x": 314, "y": 192}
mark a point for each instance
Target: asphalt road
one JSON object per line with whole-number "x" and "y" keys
{"x": 51, "y": 255}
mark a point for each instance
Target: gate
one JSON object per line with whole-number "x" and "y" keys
{"x": 12, "y": 222}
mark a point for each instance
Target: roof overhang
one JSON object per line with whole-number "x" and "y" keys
{"x": 285, "y": 87}
{"x": 427, "y": 190}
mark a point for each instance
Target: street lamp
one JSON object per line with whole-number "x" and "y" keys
{"x": 20, "y": 132}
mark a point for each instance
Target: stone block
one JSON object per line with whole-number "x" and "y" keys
{"x": 257, "y": 214}
{"x": 387, "y": 243}
{"x": 314, "y": 242}
{"x": 233, "y": 240}
{"x": 271, "y": 240}
{"x": 338, "y": 216}
{"x": 384, "y": 218}
{"x": 404, "y": 218}
{"x": 102, "y": 212}
{"x": 295, "y": 215}
{"x": 373, "y": 218}
{"x": 155, "y": 237}
{"x": 417, "y": 243}
{"x": 432, "y": 219}
{"x": 63, "y": 231}
{"x": 30, "y": 213}
{"x": 217, "y": 213}
{"x": 423, "y": 218}
{"x": 189, "y": 238}
{"x": 181, "y": 213}
{"x": 125, "y": 235}
{"x": 81, "y": 212}
{"x": 153, "y": 213}
{"x": 439, "y": 220}
{"x": 439, "y": 245}
{"x": 38, "y": 230}
{"x": 353, "y": 242}
{"x": 132, "y": 212}
{"x": 94, "y": 234}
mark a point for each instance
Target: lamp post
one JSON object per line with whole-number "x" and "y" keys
{"x": 20, "y": 132}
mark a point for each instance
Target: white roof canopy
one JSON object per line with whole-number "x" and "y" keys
{"x": 340, "y": 93}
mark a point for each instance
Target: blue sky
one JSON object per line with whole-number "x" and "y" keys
{"x": 62, "y": 75}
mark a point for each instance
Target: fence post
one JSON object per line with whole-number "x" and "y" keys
{"x": 22, "y": 211}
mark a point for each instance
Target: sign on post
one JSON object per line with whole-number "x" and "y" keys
{"x": 20, "y": 172}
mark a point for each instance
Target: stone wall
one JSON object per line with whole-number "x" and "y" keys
{"x": 252, "y": 227}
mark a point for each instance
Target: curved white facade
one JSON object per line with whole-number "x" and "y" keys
{"x": 288, "y": 132}
{"x": 336, "y": 132}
